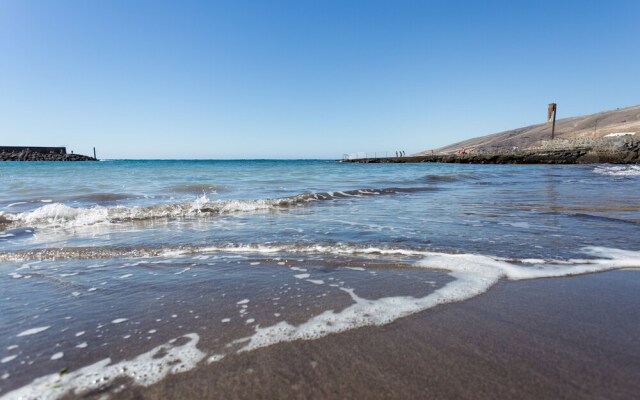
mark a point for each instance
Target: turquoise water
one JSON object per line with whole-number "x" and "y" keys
{"x": 517, "y": 211}
{"x": 103, "y": 259}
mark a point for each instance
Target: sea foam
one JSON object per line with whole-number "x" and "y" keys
{"x": 618, "y": 170}
{"x": 145, "y": 369}
{"x": 473, "y": 274}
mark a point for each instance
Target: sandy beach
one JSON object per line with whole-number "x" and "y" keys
{"x": 561, "y": 338}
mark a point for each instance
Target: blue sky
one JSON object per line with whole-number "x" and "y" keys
{"x": 303, "y": 79}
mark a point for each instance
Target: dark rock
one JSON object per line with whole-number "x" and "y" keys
{"x": 35, "y": 156}
{"x": 629, "y": 153}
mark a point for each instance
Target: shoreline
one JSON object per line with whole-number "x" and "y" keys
{"x": 559, "y": 337}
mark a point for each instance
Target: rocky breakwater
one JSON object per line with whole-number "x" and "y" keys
{"x": 37, "y": 156}
{"x": 627, "y": 153}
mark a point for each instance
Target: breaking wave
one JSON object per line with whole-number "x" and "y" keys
{"x": 61, "y": 215}
{"x": 618, "y": 170}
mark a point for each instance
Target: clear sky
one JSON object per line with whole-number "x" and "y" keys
{"x": 303, "y": 78}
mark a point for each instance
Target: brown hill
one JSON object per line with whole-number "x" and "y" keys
{"x": 622, "y": 120}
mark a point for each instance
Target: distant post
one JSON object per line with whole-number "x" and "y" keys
{"x": 94, "y": 153}
{"x": 551, "y": 112}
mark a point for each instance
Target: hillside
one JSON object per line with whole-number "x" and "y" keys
{"x": 623, "y": 120}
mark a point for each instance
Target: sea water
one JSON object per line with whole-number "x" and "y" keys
{"x": 127, "y": 271}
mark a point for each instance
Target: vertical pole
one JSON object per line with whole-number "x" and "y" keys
{"x": 553, "y": 127}
{"x": 94, "y": 153}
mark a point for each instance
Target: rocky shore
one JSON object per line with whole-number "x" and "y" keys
{"x": 629, "y": 153}
{"x": 36, "y": 156}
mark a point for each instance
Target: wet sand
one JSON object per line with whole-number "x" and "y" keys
{"x": 576, "y": 337}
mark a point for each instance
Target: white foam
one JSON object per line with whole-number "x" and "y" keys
{"x": 182, "y": 271}
{"x": 118, "y": 320}
{"x": 618, "y": 170}
{"x": 8, "y": 358}
{"x": 145, "y": 369}
{"x": 82, "y": 345}
{"x": 57, "y": 356}
{"x": 301, "y": 276}
{"x": 474, "y": 274}
{"x": 316, "y": 281}
{"x": 33, "y": 331}
{"x": 215, "y": 358}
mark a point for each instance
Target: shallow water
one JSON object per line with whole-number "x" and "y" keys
{"x": 105, "y": 267}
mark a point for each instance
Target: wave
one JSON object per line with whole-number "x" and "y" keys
{"x": 61, "y": 215}
{"x": 618, "y": 170}
{"x": 473, "y": 274}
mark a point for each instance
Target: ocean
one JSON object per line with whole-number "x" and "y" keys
{"x": 118, "y": 274}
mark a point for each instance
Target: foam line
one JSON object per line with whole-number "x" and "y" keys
{"x": 473, "y": 275}
{"x": 145, "y": 369}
